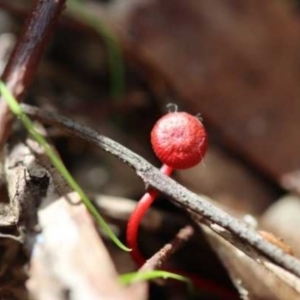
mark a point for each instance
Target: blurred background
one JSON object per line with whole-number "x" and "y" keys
{"x": 115, "y": 65}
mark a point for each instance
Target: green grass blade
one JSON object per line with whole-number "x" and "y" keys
{"x": 56, "y": 161}
{"x": 113, "y": 49}
{"x": 130, "y": 278}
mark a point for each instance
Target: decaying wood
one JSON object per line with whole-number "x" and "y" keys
{"x": 28, "y": 184}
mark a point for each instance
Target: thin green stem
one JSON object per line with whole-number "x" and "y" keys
{"x": 130, "y": 278}
{"x": 113, "y": 48}
{"x": 57, "y": 162}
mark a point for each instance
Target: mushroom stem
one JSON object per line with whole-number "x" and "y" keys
{"x": 136, "y": 217}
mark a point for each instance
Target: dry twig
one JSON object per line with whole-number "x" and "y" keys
{"x": 246, "y": 239}
{"x": 26, "y": 55}
{"x": 167, "y": 250}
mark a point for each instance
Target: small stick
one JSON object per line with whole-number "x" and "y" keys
{"x": 26, "y": 56}
{"x": 136, "y": 217}
{"x": 156, "y": 261}
{"x": 166, "y": 251}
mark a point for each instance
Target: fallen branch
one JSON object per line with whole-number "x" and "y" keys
{"x": 244, "y": 238}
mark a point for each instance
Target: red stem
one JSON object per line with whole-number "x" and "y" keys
{"x": 131, "y": 236}
{"x": 136, "y": 217}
